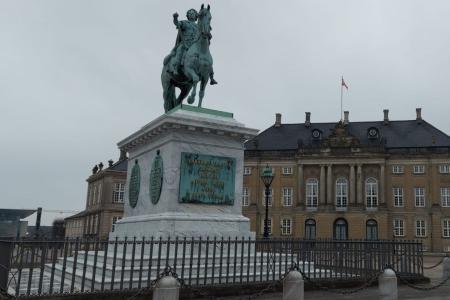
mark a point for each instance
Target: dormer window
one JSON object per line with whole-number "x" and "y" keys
{"x": 316, "y": 134}
{"x": 372, "y": 133}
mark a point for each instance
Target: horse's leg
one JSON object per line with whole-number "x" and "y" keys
{"x": 190, "y": 73}
{"x": 184, "y": 91}
{"x": 202, "y": 90}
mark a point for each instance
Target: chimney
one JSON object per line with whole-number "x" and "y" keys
{"x": 308, "y": 119}
{"x": 418, "y": 114}
{"x": 277, "y": 120}
{"x": 346, "y": 113}
{"x": 123, "y": 155}
{"x": 386, "y": 116}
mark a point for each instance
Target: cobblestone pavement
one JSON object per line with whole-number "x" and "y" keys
{"x": 404, "y": 292}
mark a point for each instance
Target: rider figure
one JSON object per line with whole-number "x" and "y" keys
{"x": 188, "y": 34}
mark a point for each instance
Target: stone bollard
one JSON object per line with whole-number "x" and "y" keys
{"x": 387, "y": 285}
{"x": 446, "y": 268}
{"x": 293, "y": 286}
{"x": 167, "y": 288}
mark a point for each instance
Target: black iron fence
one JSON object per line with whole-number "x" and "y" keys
{"x": 76, "y": 266}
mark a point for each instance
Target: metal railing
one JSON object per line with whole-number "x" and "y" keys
{"x": 77, "y": 266}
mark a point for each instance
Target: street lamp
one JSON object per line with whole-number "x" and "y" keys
{"x": 267, "y": 178}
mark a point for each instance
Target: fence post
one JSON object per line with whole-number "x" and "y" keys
{"x": 5, "y": 263}
{"x": 387, "y": 285}
{"x": 293, "y": 286}
{"x": 167, "y": 288}
{"x": 446, "y": 268}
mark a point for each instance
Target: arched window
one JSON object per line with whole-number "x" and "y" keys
{"x": 341, "y": 193}
{"x": 310, "y": 229}
{"x": 340, "y": 231}
{"x": 312, "y": 192}
{"x": 371, "y": 192}
{"x": 371, "y": 230}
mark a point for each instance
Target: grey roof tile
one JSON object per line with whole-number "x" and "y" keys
{"x": 396, "y": 134}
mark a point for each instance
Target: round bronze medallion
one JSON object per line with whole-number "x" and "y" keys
{"x": 156, "y": 178}
{"x": 135, "y": 183}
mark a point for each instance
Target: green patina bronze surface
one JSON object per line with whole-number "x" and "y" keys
{"x": 135, "y": 184}
{"x": 207, "y": 179}
{"x": 156, "y": 178}
{"x": 208, "y": 111}
{"x": 190, "y": 61}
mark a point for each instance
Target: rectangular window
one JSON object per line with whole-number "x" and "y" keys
{"x": 287, "y": 196}
{"x": 286, "y": 170}
{"x": 312, "y": 192}
{"x": 444, "y": 169}
{"x": 286, "y": 227}
{"x": 419, "y": 169}
{"x": 397, "y": 169}
{"x": 269, "y": 226}
{"x": 445, "y": 197}
{"x": 269, "y": 198}
{"x": 118, "y": 192}
{"x": 99, "y": 193}
{"x": 419, "y": 196}
{"x": 245, "y": 196}
{"x": 247, "y": 171}
{"x": 93, "y": 193}
{"x": 421, "y": 228}
{"x": 341, "y": 193}
{"x": 114, "y": 221}
{"x": 446, "y": 228}
{"x": 397, "y": 193}
{"x": 399, "y": 227}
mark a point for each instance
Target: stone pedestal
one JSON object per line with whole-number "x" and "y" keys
{"x": 184, "y": 131}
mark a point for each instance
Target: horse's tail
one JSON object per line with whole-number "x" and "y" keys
{"x": 168, "y": 90}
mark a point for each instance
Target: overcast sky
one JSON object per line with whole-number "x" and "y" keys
{"x": 78, "y": 76}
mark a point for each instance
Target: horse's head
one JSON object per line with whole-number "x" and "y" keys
{"x": 204, "y": 20}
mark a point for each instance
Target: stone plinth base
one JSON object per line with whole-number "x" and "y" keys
{"x": 181, "y": 225}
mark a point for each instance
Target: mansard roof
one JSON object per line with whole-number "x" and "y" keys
{"x": 391, "y": 135}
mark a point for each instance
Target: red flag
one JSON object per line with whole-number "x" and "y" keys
{"x": 343, "y": 83}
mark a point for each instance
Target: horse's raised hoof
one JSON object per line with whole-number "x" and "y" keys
{"x": 191, "y": 100}
{"x": 213, "y": 82}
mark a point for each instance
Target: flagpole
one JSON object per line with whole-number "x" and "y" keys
{"x": 342, "y": 86}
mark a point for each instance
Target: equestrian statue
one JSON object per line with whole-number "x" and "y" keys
{"x": 190, "y": 61}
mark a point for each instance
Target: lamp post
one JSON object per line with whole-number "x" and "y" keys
{"x": 267, "y": 178}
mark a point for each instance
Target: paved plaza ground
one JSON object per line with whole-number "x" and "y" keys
{"x": 404, "y": 292}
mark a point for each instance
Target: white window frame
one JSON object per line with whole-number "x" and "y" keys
{"x": 245, "y": 196}
{"x": 371, "y": 193}
{"x": 397, "y": 195}
{"x": 446, "y": 228}
{"x": 270, "y": 197}
{"x": 421, "y": 228}
{"x": 247, "y": 171}
{"x": 312, "y": 193}
{"x": 269, "y": 226}
{"x": 287, "y": 195}
{"x": 399, "y": 227}
{"x": 445, "y": 196}
{"x": 398, "y": 169}
{"x": 419, "y": 197}
{"x": 419, "y": 169}
{"x": 341, "y": 193}
{"x": 287, "y": 170}
{"x": 118, "y": 192}
{"x": 286, "y": 226}
{"x": 444, "y": 169}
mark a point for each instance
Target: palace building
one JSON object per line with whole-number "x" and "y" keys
{"x": 352, "y": 180}
{"x": 104, "y": 202}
